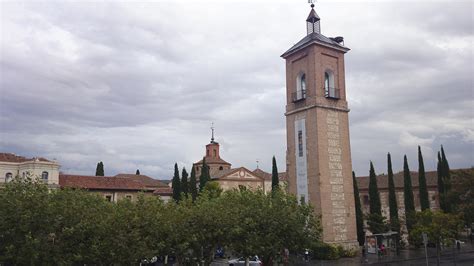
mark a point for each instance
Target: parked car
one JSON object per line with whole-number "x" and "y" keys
{"x": 241, "y": 261}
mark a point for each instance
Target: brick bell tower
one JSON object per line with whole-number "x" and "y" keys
{"x": 317, "y": 123}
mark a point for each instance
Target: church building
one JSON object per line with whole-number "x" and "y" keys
{"x": 319, "y": 163}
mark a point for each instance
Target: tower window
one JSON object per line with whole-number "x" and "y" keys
{"x": 215, "y": 153}
{"x": 8, "y": 177}
{"x": 300, "y": 93}
{"x": 44, "y": 175}
{"x": 221, "y": 168}
{"x": 300, "y": 143}
{"x": 330, "y": 91}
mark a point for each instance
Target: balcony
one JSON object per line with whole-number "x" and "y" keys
{"x": 332, "y": 93}
{"x": 298, "y": 96}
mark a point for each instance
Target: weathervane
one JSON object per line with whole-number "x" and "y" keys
{"x": 312, "y": 2}
{"x": 257, "y": 162}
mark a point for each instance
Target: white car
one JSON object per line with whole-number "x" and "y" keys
{"x": 241, "y": 261}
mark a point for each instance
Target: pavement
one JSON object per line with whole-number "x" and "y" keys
{"x": 449, "y": 256}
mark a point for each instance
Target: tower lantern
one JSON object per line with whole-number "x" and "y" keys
{"x": 313, "y": 22}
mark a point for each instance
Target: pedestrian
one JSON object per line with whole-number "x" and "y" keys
{"x": 306, "y": 255}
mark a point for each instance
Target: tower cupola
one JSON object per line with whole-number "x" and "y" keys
{"x": 313, "y": 22}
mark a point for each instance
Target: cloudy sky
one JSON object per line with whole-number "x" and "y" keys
{"x": 137, "y": 85}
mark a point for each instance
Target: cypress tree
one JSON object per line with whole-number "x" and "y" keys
{"x": 184, "y": 182}
{"x": 392, "y": 197}
{"x": 204, "y": 175}
{"x": 359, "y": 215}
{"x": 441, "y": 196}
{"x": 446, "y": 176}
{"x": 408, "y": 196}
{"x": 424, "y": 199}
{"x": 99, "y": 171}
{"x": 374, "y": 196}
{"x": 193, "y": 185}
{"x": 176, "y": 184}
{"x": 137, "y": 172}
{"x": 275, "y": 180}
{"x": 375, "y": 220}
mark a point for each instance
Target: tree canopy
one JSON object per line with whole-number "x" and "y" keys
{"x": 41, "y": 226}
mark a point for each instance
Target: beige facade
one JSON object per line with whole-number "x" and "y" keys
{"x": 232, "y": 178}
{"x": 382, "y": 185}
{"x": 318, "y": 149}
{"x": 12, "y": 165}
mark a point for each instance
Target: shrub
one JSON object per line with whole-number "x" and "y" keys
{"x": 323, "y": 251}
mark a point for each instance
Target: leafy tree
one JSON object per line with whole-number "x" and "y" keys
{"x": 175, "y": 183}
{"x": 99, "y": 171}
{"x": 193, "y": 185}
{"x": 359, "y": 214}
{"x": 213, "y": 189}
{"x": 137, "y": 172}
{"x": 461, "y": 194}
{"x": 205, "y": 176}
{"x": 408, "y": 196}
{"x": 392, "y": 198}
{"x": 424, "y": 199}
{"x": 184, "y": 182}
{"x": 279, "y": 223}
{"x": 275, "y": 180}
{"x": 440, "y": 227}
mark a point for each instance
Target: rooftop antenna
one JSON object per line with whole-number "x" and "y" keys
{"x": 212, "y": 129}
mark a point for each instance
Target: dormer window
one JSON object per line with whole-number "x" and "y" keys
{"x": 330, "y": 91}
{"x": 300, "y": 93}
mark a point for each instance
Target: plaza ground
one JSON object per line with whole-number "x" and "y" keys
{"x": 449, "y": 256}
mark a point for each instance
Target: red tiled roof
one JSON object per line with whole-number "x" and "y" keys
{"x": 382, "y": 180}
{"x": 13, "y": 158}
{"x": 267, "y": 176}
{"x": 163, "y": 191}
{"x": 103, "y": 182}
{"x": 148, "y": 181}
{"x": 212, "y": 160}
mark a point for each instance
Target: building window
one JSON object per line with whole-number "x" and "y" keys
{"x": 215, "y": 153}
{"x": 221, "y": 168}
{"x": 8, "y": 177}
{"x": 300, "y": 93}
{"x": 300, "y": 143}
{"x": 366, "y": 199}
{"x": 108, "y": 198}
{"x": 330, "y": 91}
{"x": 44, "y": 175}
{"x": 128, "y": 197}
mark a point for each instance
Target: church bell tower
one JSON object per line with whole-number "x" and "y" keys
{"x": 317, "y": 123}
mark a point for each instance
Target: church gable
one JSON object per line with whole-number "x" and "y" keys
{"x": 241, "y": 174}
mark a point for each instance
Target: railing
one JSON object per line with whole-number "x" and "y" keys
{"x": 298, "y": 96}
{"x": 332, "y": 93}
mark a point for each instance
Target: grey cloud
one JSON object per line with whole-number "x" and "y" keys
{"x": 137, "y": 86}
